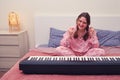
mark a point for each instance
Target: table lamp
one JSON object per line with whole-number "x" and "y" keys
{"x": 13, "y": 22}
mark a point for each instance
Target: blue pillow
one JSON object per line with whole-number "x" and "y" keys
{"x": 105, "y": 37}
{"x": 55, "y": 36}
{"x": 108, "y": 38}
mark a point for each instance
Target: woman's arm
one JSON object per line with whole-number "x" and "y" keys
{"x": 67, "y": 37}
{"x": 93, "y": 38}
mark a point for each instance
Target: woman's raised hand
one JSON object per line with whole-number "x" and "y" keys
{"x": 91, "y": 32}
{"x": 71, "y": 31}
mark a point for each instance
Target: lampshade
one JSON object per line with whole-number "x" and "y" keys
{"x": 13, "y": 19}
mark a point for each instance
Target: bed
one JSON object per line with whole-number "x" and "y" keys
{"x": 45, "y": 46}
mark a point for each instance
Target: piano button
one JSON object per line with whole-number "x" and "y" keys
{"x": 70, "y": 58}
{"x": 96, "y": 58}
{"x": 60, "y": 58}
{"x": 74, "y": 59}
{"x": 41, "y": 58}
{"x": 86, "y": 58}
{"x": 103, "y": 59}
{"x": 108, "y": 59}
{"x": 44, "y": 58}
{"x": 118, "y": 59}
{"x": 67, "y": 58}
{"x": 112, "y": 59}
{"x": 63, "y": 58}
{"x": 115, "y": 59}
{"x": 77, "y": 58}
{"x": 52, "y": 59}
{"x": 37, "y": 58}
{"x": 92, "y": 59}
{"x": 30, "y": 58}
{"x": 99, "y": 59}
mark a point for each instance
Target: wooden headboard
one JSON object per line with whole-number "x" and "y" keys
{"x": 43, "y": 24}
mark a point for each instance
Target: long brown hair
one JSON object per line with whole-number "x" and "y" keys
{"x": 87, "y": 16}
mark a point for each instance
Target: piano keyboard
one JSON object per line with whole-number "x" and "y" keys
{"x": 74, "y": 58}
{"x": 71, "y": 65}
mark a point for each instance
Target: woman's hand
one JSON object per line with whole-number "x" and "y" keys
{"x": 93, "y": 38}
{"x": 92, "y": 32}
{"x": 71, "y": 31}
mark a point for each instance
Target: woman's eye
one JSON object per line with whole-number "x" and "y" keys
{"x": 79, "y": 21}
{"x": 84, "y": 23}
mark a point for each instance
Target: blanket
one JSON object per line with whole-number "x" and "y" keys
{"x": 15, "y": 74}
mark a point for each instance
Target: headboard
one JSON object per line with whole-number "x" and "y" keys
{"x": 43, "y": 24}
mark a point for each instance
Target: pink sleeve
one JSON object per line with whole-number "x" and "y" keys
{"x": 66, "y": 39}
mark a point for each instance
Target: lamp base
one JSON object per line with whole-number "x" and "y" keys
{"x": 14, "y": 29}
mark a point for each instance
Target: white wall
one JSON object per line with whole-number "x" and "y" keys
{"x": 27, "y": 9}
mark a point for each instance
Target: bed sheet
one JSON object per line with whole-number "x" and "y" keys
{"x": 15, "y": 74}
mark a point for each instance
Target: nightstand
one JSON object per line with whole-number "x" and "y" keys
{"x": 12, "y": 47}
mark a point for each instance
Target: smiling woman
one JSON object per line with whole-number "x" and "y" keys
{"x": 83, "y": 35}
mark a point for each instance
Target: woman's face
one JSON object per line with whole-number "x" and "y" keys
{"x": 82, "y": 23}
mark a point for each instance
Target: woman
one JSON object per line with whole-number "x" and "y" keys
{"x": 80, "y": 40}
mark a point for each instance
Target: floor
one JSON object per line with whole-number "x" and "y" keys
{"x": 2, "y": 72}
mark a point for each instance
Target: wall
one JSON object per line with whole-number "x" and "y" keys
{"x": 27, "y": 9}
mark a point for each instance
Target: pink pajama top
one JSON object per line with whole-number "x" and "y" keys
{"x": 78, "y": 44}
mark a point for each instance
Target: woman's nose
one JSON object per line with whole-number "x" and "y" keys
{"x": 81, "y": 23}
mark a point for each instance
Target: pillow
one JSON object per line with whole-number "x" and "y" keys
{"x": 108, "y": 38}
{"x": 105, "y": 37}
{"x": 55, "y": 36}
